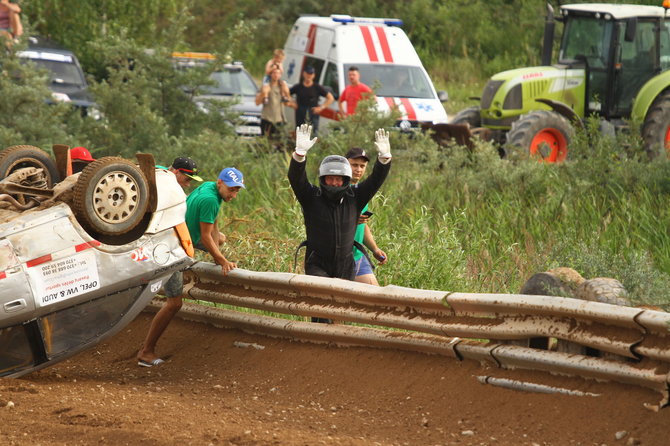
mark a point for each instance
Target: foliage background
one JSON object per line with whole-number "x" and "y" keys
{"x": 448, "y": 218}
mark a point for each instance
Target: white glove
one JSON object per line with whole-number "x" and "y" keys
{"x": 302, "y": 141}
{"x": 382, "y": 143}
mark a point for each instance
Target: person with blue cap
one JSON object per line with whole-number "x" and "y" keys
{"x": 202, "y": 209}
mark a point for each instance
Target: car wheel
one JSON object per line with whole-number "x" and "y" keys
{"x": 18, "y": 157}
{"x": 111, "y": 196}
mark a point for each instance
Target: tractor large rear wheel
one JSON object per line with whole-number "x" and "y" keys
{"x": 656, "y": 127}
{"x": 542, "y": 133}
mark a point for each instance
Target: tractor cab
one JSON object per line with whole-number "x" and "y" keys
{"x": 621, "y": 47}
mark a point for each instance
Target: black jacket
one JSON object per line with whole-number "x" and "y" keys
{"x": 331, "y": 226}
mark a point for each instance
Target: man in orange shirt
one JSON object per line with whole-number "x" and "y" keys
{"x": 356, "y": 91}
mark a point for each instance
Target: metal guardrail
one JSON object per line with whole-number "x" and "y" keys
{"x": 576, "y": 338}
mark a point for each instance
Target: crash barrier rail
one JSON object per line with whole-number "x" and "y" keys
{"x": 511, "y": 331}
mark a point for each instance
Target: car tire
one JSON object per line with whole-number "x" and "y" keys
{"x": 18, "y": 157}
{"x": 111, "y": 196}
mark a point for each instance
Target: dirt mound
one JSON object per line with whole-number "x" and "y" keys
{"x": 211, "y": 392}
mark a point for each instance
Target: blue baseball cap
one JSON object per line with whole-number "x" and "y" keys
{"x": 232, "y": 177}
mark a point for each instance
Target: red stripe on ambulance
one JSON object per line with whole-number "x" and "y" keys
{"x": 391, "y": 103}
{"x": 369, "y": 44}
{"x": 411, "y": 114}
{"x": 311, "y": 39}
{"x": 386, "y": 49}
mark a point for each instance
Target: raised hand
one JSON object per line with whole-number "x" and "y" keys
{"x": 302, "y": 141}
{"x": 382, "y": 143}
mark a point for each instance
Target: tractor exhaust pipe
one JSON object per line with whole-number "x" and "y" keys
{"x": 548, "y": 42}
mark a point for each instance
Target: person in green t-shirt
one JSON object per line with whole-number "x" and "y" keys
{"x": 202, "y": 208}
{"x": 358, "y": 160}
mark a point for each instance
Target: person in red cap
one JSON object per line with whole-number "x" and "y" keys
{"x": 80, "y": 157}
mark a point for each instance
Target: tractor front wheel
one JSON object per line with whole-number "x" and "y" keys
{"x": 656, "y": 128}
{"x": 470, "y": 116}
{"x": 542, "y": 133}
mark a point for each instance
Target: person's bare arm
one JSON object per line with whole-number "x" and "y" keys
{"x": 13, "y": 7}
{"x": 212, "y": 246}
{"x": 369, "y": 242}
{"x": 262, "y": 94}
{"x": 329, "y": 100}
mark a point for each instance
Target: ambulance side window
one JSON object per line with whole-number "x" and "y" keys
{"x": 330, "y": 80}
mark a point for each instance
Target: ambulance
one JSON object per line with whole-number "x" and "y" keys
{"x": 384, "y": 55}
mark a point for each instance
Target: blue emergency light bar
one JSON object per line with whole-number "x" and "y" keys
{"x": 343, "y": 18}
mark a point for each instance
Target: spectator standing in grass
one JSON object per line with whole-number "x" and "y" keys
{"x": 307, "y": 94}
{"x": 354, "y": 92}
{"x": 358, "y": 160}
{"x": 202, "y": 208}
{"x": 273, "y": 95}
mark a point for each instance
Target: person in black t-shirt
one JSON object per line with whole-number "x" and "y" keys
{"x": 307, "y": 94}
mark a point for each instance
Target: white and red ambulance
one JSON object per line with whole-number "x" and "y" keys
{"x": 384, "y": 55}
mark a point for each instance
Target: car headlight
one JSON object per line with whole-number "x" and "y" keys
{"x": 61, "y": 97}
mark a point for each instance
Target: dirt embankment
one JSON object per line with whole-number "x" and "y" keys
{"x": 211, "y": 392}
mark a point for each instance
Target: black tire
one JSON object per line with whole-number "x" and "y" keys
{"x": 656, "y": 128}
{"x": 543, "y": 133}
{"x": 111, "y": 196}
{"x": 470, "y": 116}
{"x": 18, "y": 157}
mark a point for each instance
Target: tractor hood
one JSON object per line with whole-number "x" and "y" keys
{"x": 511, "y": 93}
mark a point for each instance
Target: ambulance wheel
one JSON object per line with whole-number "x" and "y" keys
{"x": 542, "y": 133}
{"x": 656, "y": 128}
{"x": 111, "y": 196}
{"x": 17, "y": 157}
{"x": 470, "y": 116}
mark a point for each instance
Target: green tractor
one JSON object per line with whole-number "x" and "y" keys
{"x": 613, "y": 62}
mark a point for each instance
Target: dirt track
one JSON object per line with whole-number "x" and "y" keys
{"x": 213, "y": 393}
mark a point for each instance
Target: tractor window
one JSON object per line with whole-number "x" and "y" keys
{"x": 639, "y": 63}
{"x": 586, "y": 37}
{"x": 665, "y": 45}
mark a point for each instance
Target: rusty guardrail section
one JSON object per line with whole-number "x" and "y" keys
{"x": 511, "y": 331}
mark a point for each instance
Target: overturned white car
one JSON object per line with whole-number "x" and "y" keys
{"x": 78, "y": 261}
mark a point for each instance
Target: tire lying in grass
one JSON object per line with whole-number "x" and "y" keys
{"x": 18, "y": 157}
{"x": 111, "y": 196}
{"x": 605, "y": 290}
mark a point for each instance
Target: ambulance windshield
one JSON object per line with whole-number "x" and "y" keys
{"x": 398, "y": 81}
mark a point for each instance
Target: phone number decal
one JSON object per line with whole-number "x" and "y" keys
{"x": 64, "y": 279}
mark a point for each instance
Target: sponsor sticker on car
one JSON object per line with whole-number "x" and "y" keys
{"x": 64, "y": 278}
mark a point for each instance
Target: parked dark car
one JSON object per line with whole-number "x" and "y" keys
{"x": 67, "y": 81}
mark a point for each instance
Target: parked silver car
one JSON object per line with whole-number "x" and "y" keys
{"x": 78, "y": 261}
{"x": 231, "y": 83}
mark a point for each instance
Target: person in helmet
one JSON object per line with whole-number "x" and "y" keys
{"x": 331, "y": 209}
